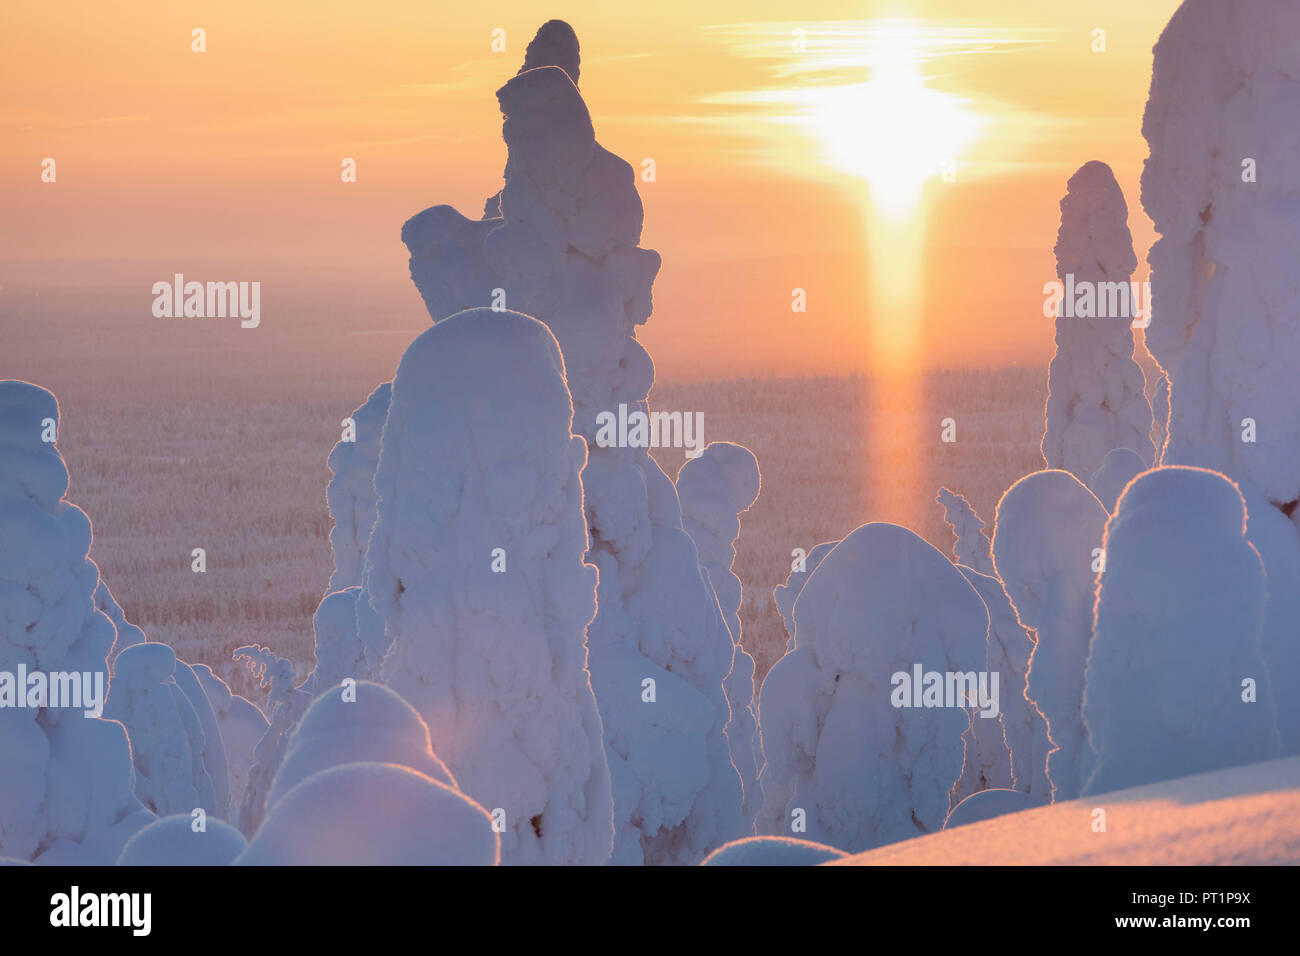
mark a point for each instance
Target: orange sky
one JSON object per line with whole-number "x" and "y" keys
{"x": 232, "y": 156}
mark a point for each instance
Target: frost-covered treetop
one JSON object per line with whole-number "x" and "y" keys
{"x": 30, "y": 467}
{"x": 554, "y": 45}
{"x": 1094, "y": 241}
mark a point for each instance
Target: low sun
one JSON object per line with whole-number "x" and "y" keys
{"x": 893, "y": 130}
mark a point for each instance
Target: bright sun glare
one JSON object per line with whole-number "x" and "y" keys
{"x": 893, "y": 130}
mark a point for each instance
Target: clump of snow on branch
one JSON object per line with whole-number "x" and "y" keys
{"x": 275, "y": 674}
{"x": 1177, "y": 638}
{"x": 1047, "y": 541}
{"x": 972, "y": 546}
{"x": 340, "y": 652}
{"x": 351, "y": 491}
{"x": 785, "y": 595}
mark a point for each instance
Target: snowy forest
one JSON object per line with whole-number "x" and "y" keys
{"x": 540, "y": 642}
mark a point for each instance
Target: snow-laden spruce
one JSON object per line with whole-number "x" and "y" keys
{"x": 1117, "y": 469}
{"x": 184, "y": 840}
{"x": 1047, "y": 548}
{"x": 1176, "y": 682}
{"x": 785, "y": 595}
{"x": 241, "y": 724}
{"x": 351, "y": 491}
{"x": 374, "y": 814}
{"x": 476, "y": 566}
{"x": 849, "y": 753}
{"x": 1160, "y": 418}
{"x": 167, "y": 739}
{"x": 1096, "y": 392}
{"x": 1222, "y": 185}
{"x": 66, "y": 792}
{"x": 971, "y": 546}
{"x": 715, "y": 488}
{"x": 363, "y": 723}
{"x": 562, "y": 246}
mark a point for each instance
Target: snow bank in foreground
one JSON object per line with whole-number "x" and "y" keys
{"x": 173, "y": 841}
{"x": 374, "y": 814}
{"x": 1177, "y": 636}
{"x": 772, "y": 851}
{"x": 1245, "y": 816}
{"x": 848, "y": 753}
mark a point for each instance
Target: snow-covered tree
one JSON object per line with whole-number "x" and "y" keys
{"x": 848, "y": 754}
{"x": 1096, "y": 391}
{"x": 1176, "y": 681}
{"x": 1117, "y": 469}
{"x": 785, "y": 595}
{"x": 288, "y": 703}
{"x": 351, "y": 492}
{"x": 476, "y": 566}
{"x": 167, "y": 739}
{"x": 242, "y": 726}
{"x": 1221, "y": 185}
{"x": 374, "y": 814}
{"x": 565, "y": 250}
{"x": 1047, "y": 548}
{"x": 972, "y": 546}
{"x": 66, "y": 793}
{"x": 1160, "y": 417}
{"x": 1011, "y": 751}
{"x": 714, "y": 489}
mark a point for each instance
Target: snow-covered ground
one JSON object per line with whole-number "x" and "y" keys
{"x": 1240, "y": 816}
